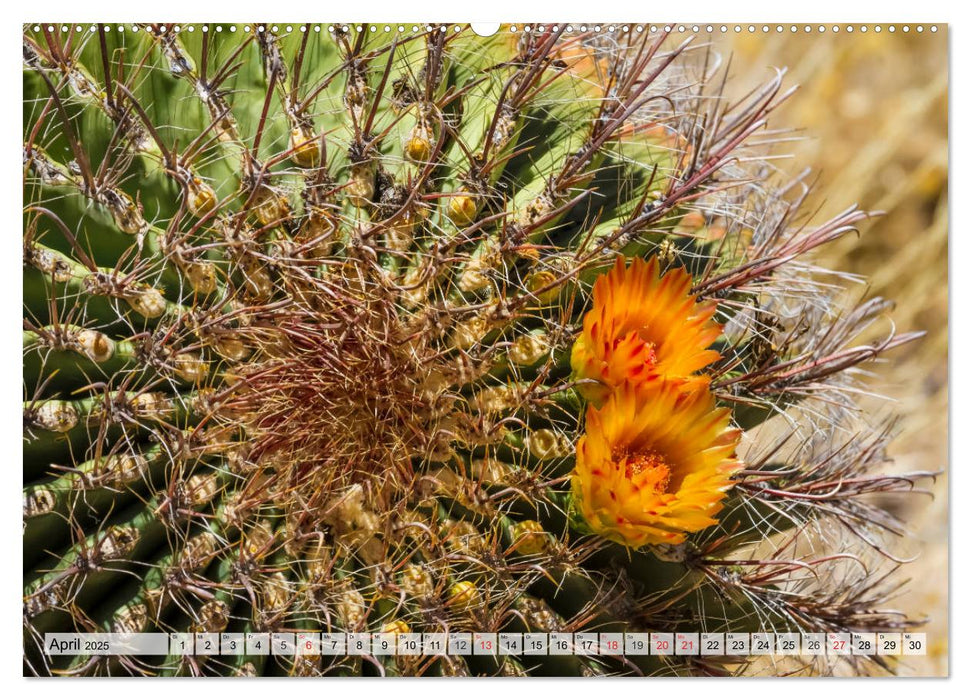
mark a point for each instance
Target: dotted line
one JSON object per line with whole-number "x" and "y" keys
{"x": 597, "y": 28}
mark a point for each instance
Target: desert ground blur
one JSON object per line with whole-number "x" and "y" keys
{"x": 872, "y": 113}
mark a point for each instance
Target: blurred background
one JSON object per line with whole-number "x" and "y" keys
{"x": 872, "y": 113}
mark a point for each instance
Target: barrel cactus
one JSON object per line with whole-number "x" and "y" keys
{"x": 406, "y": 329}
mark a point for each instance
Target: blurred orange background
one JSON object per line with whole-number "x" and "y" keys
{"x": 872, "y": 114}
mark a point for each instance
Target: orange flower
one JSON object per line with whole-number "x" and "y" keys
{"x": 654, "y": 464}
{"x": 643, "y": 325}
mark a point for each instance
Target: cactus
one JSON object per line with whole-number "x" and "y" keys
{"x": 368, "y": 328}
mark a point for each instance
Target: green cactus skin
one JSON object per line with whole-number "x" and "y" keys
{"x": 298, "y": 310}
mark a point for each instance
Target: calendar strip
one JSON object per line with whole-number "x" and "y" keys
{"x": 491, "y": 644}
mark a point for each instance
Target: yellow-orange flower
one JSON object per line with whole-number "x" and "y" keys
{"x": 655, "y": 463}
{"x": 643, "y": 325}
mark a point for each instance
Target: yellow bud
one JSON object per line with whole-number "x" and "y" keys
{"x": 276, "y": 592}
{"x": 416, "y": 582}
{"x": 118, "y": 542}
{"x": 546, "y": 444}
{"x": 152, "y": 406}
{"x": 199, "y": 551}
{"x": 231, "y": 347}
{"x": 529, "y": 537}
{"x": 418, "y": 148}
{"x": 462, "y": 209}
{"x": 528, "y": 252}
{"x": 480, "y": 267}
{"x": 123, "y": 210}
{"x": 319, "y": 561}
{"x": 468, "y": 333}
{"x": 418, "y": 144}
{"x": 399, "y": 237}
{"x": 130, "y": 619}
{"x": 113, "y": 471}
{"x": 490, "y": 471}
{"x": 200, "y": 198}
{"x": 462, "y": 595}
{"x": 213, "y": 616}
{"x": 56, "y": 416}
{"x": 352, "y": 610}
{"x": 396, "y": 627}
{"x": 319, "y": 227}
{"x": 496, "y": 399}
{"x": 473, "y": 277}
{"x": 202, "y": 488}
{"x": 96, "y": 345}
{"x": 257, "y": 540}
{"x": 270, "y": 207}
{"x": 540, "y": 281}
{"x": 191, "y": 367}
{"x": 305, "y": 147}
{"x": 149, "y": 302}
{"x": 528, "y": 349}
{"x": 201, "y": 276}
{"x": 257, "y": 279}
{"x": 38, "y": 502}
{"x": 360, "y": 185}
{"x": 535, "y": 211}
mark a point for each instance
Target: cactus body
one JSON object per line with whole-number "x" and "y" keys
{"x": 301, "y": 321}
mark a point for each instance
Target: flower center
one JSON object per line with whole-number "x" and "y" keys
{"x": 649, "y": 470}
{"x": 649, "y": 345}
